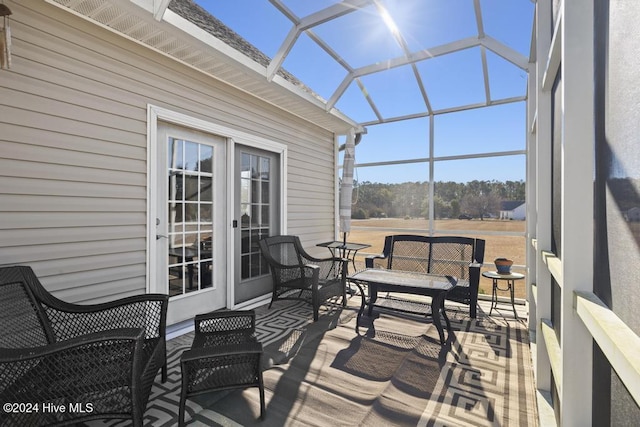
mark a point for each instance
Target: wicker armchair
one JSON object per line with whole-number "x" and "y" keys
{"x": 96, "y": 361}
{"x": 460, "y": 257}
{"x": 224, "y": 355}
{"x": 298, "y": 275}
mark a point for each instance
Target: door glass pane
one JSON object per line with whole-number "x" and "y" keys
{"x": 255, "y": 215}
{"x": 176, "y": 224}
{"x": 191, "y": 188}
{"x": 244, "y": 190}
{"x": 206, "y": 214}
{"x": 206, "y": 195}
{"x": 245, "y": 216}
{"x": 191, "y": 156}
{"x": 176, "y": 185}
{"x": 175, "y": 154}
{"x": 254, "y": 166}
{"x": 254, "y": 210}
{"x": 179, "y": 215}
{"x": 264, "y": 168}
{"x": 206, "y": 158}
{"x": 190, "y": 211}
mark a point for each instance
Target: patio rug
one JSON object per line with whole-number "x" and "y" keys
{"x": 395, "y": 373}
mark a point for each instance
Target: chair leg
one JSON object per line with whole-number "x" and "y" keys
{"x": 344, "y": 296}
{"x": 183, "y": 395}
{"x": 315, "y": 302}
{"x": 137, "y": 416}
{"x": 164, "y": 371}
{"x": 181, "y": 410}
{"x": 263, "y": 409}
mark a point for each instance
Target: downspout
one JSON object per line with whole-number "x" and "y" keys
{"x": 355, "y": 142}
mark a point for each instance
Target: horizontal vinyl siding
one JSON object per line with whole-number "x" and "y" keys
{"x": 73, "y": 168}
{"x": 311, "y": 193}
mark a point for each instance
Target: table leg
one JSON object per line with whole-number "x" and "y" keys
{"x": 345, "y": 255}
{"x": 362, "y": 304}
{"x": 512, "y": 285}
{"x": 446, "y": 318}
{"x": 333, "y": 265}
{"x": 352, "y": 257}
{"x": 494, "y": 296}
{"x": 373, "y": 297}
{"x": 437, "y": 303}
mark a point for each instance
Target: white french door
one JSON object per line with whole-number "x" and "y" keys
{"x": 191, "y": 224}
{"x": 257, "y": 214}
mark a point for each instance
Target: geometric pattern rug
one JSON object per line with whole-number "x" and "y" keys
{"x": 486, "y": 378}
{"x": 394, "y": 373}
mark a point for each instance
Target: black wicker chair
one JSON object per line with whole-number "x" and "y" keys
{"x": 460, "y": 257}
{"x": 298, "y": 275}
{"x": 224, "y": 355}
{"x": 96, "y": 361}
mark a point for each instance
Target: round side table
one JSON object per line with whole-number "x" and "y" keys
{"x": 510, "y": 279}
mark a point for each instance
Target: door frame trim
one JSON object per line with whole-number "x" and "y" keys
{"x": 156, "y": 113}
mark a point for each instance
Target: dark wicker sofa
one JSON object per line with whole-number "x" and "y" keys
{"x": 461, "y": 257}
{"x": 76, "y": 362}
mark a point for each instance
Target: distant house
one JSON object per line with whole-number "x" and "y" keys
{"x": 633, "y": 214}
{"x": 513, "y": 209}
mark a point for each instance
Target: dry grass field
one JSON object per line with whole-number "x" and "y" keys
{"x": 512, "y": 247}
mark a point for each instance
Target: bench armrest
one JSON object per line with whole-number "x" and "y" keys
{"x": 370, "y": 259}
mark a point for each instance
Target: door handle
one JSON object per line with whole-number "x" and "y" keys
{"x": 158, "y": 236}
{"x": 234, "y": 224}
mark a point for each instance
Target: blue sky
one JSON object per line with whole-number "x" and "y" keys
{"x": 362, "y": 38}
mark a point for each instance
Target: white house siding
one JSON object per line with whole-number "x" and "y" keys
{"x": 520, "y": 213}
{"x": 73, "y": 167}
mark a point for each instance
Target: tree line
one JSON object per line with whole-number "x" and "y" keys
{"x": 477, "y": 199}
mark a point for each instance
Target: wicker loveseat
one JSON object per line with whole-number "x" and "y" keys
{"x": 76, "y": 362}
{"x": 460, "y": 257}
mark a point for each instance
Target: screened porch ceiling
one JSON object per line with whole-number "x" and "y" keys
{"x": 387, "y": 60}
{"x": 340, "y": 64}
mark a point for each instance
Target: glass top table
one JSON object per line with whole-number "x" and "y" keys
{"x": 346, "y": 250}
{"x": 511, "y": 284}
{"x": 382, "y": 280}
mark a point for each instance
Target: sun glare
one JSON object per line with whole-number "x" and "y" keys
{"x": 388, "y": 20}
